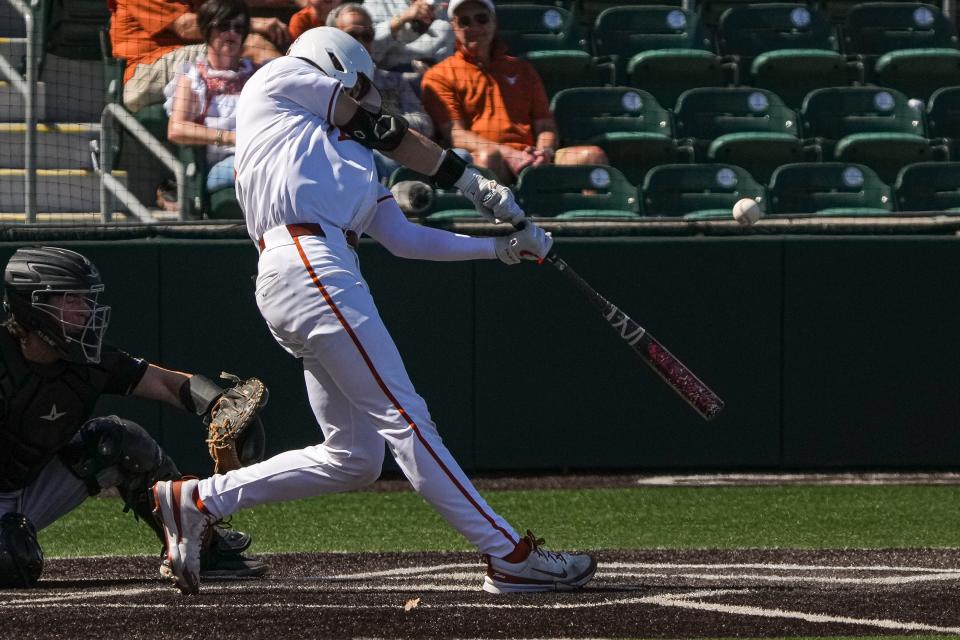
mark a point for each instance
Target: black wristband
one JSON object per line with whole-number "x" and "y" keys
{"x": 451, "y": 168}
{"x": 197, "y": 394}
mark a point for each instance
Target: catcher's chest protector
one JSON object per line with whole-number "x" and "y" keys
{"x": 39, "y": 413}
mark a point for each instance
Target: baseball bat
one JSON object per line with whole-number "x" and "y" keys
{"x": 676, "y": 374}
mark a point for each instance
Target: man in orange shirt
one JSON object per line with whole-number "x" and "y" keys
{"x": 492, "y": 104}
{"x": 157, "y": 37}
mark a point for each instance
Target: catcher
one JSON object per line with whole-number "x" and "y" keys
{"x": 53, "y": 454}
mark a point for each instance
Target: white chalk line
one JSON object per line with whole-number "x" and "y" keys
{"x": 686, "y": 600}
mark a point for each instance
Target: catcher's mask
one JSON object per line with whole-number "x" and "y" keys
{"x": 339, "y": 55}
{"x": 54, "y": 292}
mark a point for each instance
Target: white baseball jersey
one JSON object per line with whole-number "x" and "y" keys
{"x": 293, "y": 164}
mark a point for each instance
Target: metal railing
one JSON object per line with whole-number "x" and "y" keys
{"x": 114, "y": 116}
{"x": 27, "y": 87}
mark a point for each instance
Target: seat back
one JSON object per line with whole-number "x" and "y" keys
{"x": 874, "y": 28}
{"x": 627, "y": 30}
{"x": 532, "y": 27}
{"x": 808, "y": 187}
{"x": 929, "y": 186}
{"x": 943, "y": 113}
{"x": 568, "y": 68}
{"x": 754, "y": 29}
{"x": 549, "y": 190}
{"x": 678, "y": 189}
{"x": 584, "y": 112}
{"x": 72, "y": 28}
{"x": 707, "y": 112}
{"x": 835, "y": 112}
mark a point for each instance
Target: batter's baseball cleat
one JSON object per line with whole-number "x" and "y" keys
{"x": 178, "y": 508}
{"x": 222, "y": 557}
{"x": 541, "y": 570}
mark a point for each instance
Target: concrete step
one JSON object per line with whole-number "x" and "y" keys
{"x": 58, "y": 190}
{"x": 11, "y": 22}
{"x": 59, "y": 146}
{"x": 13, "y": 49}
{"x": 11, "y": 103}
{"x": 74, "y": 89}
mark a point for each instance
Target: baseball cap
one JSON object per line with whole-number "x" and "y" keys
{"x": 455, "y": 4}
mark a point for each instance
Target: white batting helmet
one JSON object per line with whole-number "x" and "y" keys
{"x": 340, "y": 56}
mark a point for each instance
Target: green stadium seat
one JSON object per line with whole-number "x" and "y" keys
{"x": 569, "y": 68}
{"x": 831, "y": 113}
{"x": 917, "y": 73}
{"x": 666, "y": 73}
{"x": 698, "y": 190}
{"x": 793, "y": 73}
{"x": 72, "y": 27}
{"x": 589, "y": 10}
{"x": 875, "y": 28}
{"x": 929, "y": 186}
{"x": 588, "y": 190}
{"x": 828, "y": 188}
{"x": 788, "y": 48}
{"x": 747, "y": 127}
{"x": 629, "y": 124}
{"x": 869, "y": 125}
{"x": 748, "y": 31}
{"x": 622, "y": 32}
{"x": 532, "y": 27}
{"x": 943, "y": 117}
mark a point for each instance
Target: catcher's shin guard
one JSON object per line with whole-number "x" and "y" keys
{"x": 21, "y": 558}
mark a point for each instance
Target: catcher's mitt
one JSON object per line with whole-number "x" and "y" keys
{"x": 234, "y": 414}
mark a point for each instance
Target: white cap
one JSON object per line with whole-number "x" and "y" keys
{"x": 455, "y": 4}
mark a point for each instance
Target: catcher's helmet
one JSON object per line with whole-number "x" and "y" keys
{"x": 341, "y": 56}
{"x": 54, "y": 292}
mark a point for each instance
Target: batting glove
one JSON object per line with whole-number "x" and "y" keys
{"x": 531, "y": 243}
{"x": 494, "y": 201}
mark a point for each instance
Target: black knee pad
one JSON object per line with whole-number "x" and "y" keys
{"x": 21, "y": 558}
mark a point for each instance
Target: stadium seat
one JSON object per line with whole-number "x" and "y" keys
{"x": 590, "y": 10}
{"x": 72, "y": 27}
{"x": 943, "y": 118}
{"x": 622, "y": 32}
{"x": 698, "y": 190}
{"x": 747, "y": 127}
{"x": 875, "y": 28}
{"x": 629, "y": 124}
{"x": 788, "y": 48}
{"x": 532, "y": 27}
{"x": 828, "y": 188}
{"x": 666, "y": 73}
{"x": 929, "y": 186}
{"x": 569, "y": 68}
{"x": 869, "y": 125}
{"x": 576, "y": 192}
{"x": 917, "y": 73}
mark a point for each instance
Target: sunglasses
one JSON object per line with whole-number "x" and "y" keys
{"x": 237, "y": 25}
{"x": 464, "y": 22}
{"x": 364, "y": 35}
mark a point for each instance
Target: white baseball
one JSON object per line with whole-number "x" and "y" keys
{"x": 746, "y": 211}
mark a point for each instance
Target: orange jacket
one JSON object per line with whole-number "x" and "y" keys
{"x": 140, "y": 30}
{"x": 500, "y": 102}
{"x": 301, "y": 21}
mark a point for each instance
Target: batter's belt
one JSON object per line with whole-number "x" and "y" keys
{"x": 308, "y": 229}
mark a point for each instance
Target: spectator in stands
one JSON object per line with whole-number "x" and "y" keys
{"x": 315, "y": 14}
{"x": 409, "y": 35}
{"x": 492, "y": 104}
{"x": 158, "y": 36}
{"x": 202, "y": 98}
{"x": 396, "y": 90}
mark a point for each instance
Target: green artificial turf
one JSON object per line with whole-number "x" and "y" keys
{"x": 703, "y": 517}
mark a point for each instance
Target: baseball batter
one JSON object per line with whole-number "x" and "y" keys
{"x": 306, "y": 130}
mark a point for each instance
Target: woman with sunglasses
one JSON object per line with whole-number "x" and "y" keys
{"x": 494, "y": 105}
{"x": 202, "y": 98}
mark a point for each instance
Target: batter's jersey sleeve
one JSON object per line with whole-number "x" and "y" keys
{"x": 291, "y": 79}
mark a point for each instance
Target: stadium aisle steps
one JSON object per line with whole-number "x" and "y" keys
{"x": 58, "y": 190}
{"x": 59, "y": 146}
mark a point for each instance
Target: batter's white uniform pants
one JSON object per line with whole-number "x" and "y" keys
{"x": 319, "y": 308}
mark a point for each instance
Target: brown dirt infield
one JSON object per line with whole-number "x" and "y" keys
{"x": 654, "y": 593}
